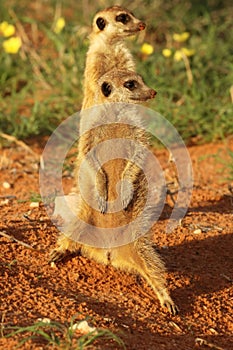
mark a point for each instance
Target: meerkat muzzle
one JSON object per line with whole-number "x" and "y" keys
{"x": 153, "y": 93}
{"x": 141, "y": 26}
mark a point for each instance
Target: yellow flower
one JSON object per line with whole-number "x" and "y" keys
{"x": 167, "y": 52}
{"x": 178, "y": 55}
{"x": 180, "y": 38}
{"x": 147, "y": 49}
{"x": 59, "y": 25}
{"x": 188, "y": 52}
{"x": 12, "y": 45}
{"x": 7, "y": 29}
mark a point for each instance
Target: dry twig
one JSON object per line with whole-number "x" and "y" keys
{"x": 2, "y": 324}
{"x": 231, "y": 93}
{"x": 19, "y": 143}
{"x": 188, "y": 69}
{"x": 201, "y": 341}
{"x": 226, "y": 277}
{"x": 4, "y": 234}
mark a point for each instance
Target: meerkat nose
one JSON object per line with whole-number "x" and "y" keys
{"x": 153, "y": 93}
{"x": 141, "y": 26}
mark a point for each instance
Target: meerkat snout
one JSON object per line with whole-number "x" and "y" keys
{"x": 141, "y": 26}
{"x": 153, "y": 93}
{"x": 124, "y": 18}
{"x": 134, "y": 84}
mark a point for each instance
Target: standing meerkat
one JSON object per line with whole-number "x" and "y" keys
{"x": 138, "y": 255}
{"x": 108, "y": 51}
{"x": 107, "y": 48}
{"x": 127, "y": 87}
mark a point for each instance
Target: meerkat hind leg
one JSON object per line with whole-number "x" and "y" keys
{"x": 144, "y": 261}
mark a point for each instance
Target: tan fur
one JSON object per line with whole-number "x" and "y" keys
{"x": 138, "y": 256}
{"x": 107, "y": 49}
{"x": 116, "y": 79}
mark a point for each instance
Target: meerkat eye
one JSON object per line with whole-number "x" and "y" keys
{"x": 100, "y": 22}
{"x": 131, "y": 85}
{"x": 106, "y": 89}
{"x": 123, "y": 18}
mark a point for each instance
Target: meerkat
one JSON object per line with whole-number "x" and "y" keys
{"x": 108, "y": 51}
{"x": 138, "y": 256}
{"x": 107, "y": 48}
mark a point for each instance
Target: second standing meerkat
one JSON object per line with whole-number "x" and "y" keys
{"x": 138, "y": 255}
{"x": 108, "y": 51}
{"x": 107, "y": 48}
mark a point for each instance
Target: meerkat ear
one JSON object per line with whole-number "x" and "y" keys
{"x": 100, "y": 22}
{"x": 106, "y": 89}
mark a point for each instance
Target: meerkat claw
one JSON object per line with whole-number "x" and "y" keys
{"x": 56, "y": 256}
{"x": 126, "y": 195}
{"x": 125, "y": 202}
{"x": 172, "y": 307}
{"x": 102, "y": 204}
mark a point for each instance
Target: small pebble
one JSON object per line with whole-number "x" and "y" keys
{"x": 4, "y": 202}
{"x": 34, "y": 204}
{"x": 83, "y": 327}
{"x": 44, "y": 320}
{"x": 6, "y": 185}
{"x": 197, "y": 231}
{"x": 212, "y": 330}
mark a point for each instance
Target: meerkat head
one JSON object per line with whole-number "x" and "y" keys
{"x": 116, "y": 22}
{"x": 124, "y": 86}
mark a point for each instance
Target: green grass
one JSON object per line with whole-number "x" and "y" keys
{"x": 60, "y": 336}
{"x": 42, "y": 84}
{"x": 226, "y": 171}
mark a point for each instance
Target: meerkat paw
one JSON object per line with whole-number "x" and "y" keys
{"x": 102, "y": 195}
{"x": 57, "y": 255}
{"x": 171, "y": 307}
{"x": 126, "y": 193}
{"x": 167, "y": 302}
{"x": 102, "y": 204}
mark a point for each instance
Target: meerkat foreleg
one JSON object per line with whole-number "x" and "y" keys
{"x": 102, "y": 193}
{"x": 92, "y": 170}
{"x": 101, "y": 182}
{"x": 64, "y": 246}
{"x": 129, "y": 176}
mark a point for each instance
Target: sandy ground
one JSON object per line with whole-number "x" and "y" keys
{"x": 198, "y": 256}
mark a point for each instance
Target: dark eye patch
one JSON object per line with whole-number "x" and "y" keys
{"x": 131, "y": 85}
{"x": 123, "y": 18}
{"x": 106, "y": 89}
